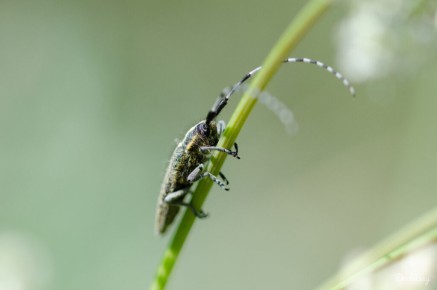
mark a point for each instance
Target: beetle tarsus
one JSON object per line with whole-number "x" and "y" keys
{"x": 224, "y": 178}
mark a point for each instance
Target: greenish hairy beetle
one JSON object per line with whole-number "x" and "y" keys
{"x": 187, "y": 163}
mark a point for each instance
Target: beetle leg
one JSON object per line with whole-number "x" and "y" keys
{"x": 221, "y": 125}
{"x": 175, "y": 196}
{"x": 179, "y": 202}
{"x": 197, "y": 174}
{"x": 227, "y": 151}
{"x": 224, "y": 178}
{"x": 194, "y": 175}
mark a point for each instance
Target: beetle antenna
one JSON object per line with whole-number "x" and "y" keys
{"x": 224, "y": 97}
{"x": 330, "y": 69}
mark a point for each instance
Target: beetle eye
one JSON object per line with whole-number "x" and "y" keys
{"x": 204, "y": 129}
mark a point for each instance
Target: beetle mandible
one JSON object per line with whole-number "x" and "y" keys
{"x": 188, "y": 160}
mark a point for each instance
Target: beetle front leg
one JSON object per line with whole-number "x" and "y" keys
{"x": 197, "y": 174}
{"x": 227, "y": 151}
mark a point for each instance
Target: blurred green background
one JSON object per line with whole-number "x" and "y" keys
{"x": 93, "y": 93}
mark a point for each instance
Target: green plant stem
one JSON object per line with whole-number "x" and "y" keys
{"x": 290, "y": 38}
{"x": 419, "y": 233}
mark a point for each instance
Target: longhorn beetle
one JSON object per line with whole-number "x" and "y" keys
{"x": 188, "y": 160}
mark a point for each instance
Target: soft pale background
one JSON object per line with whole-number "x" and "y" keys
{"x": 93, "y": 93}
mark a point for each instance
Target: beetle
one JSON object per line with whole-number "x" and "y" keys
{"x": 187, "y": 163}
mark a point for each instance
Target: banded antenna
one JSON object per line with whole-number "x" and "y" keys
{"x": 223, "y": 100}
